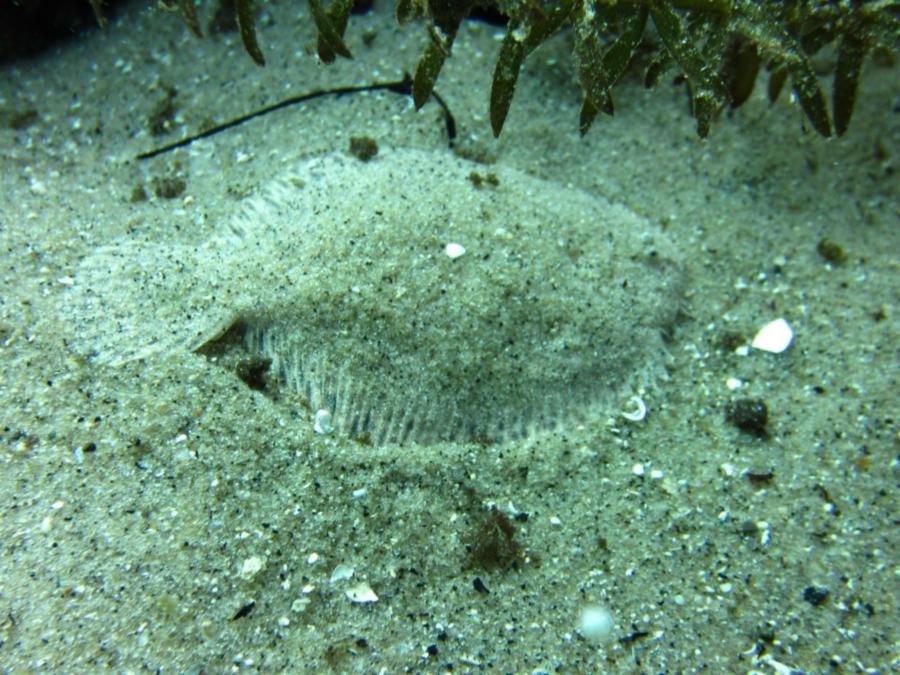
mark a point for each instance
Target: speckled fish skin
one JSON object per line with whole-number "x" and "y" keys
{"x": 338, "y": 272}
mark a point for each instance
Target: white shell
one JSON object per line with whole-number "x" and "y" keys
{"x": 774, "y": 337}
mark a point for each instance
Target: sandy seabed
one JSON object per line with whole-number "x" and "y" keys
{"x": 163, "y": 515}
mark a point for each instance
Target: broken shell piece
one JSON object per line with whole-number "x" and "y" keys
{"x": 341, "y": 573}
{"x": 361, "y": 593}
{"x": 774, "y": 337}
{"x": 252, "y": 566}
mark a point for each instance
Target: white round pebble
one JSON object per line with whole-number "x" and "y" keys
{"x": 734, "y": 383}
{"x": 774, "y": 337}
{"x": 596, "y": 623}
{"x": 454, "y": 250}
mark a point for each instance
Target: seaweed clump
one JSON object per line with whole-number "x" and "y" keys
{"x": 718, "y": 47}
{"x": 493, "y": 544}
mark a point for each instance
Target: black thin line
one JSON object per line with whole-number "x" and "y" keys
{"x": 403, "y": 87}
{"x": 448, "y": 117}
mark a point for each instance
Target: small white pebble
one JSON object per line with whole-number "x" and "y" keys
{"x": 312, "y": 559}
{"x": 734, "y": 383}
{"x": 299, "y": 605}
{"x": 454, "y": 250}
{"x": 596, "y": 623}
{"x": 638, "y": 469}
{"x": 284, "y": 622}
{"x": 555, "y": 521}
{"x": 774, "y": 337}
{"x": 656, "y": 474}
{"x": 322, "y": 422}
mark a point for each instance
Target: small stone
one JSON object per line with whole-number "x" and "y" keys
{"x": 815, "y": 595}
{"x": 831, "y": 252}
{"x": 139, "y": 194}
{"x": 363, "y": 148}
{"x": 454, "y": 250}
{"x": 244, "y": 610}
{"x": 734, "y": 383}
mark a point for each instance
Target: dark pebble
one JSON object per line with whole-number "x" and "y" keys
{"x": 748, "y": 414}
{"x": 815, "y": 595}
